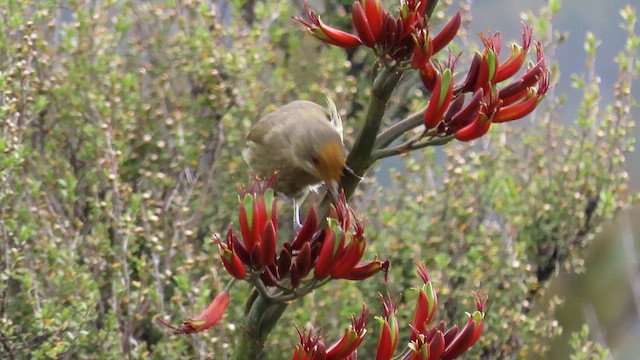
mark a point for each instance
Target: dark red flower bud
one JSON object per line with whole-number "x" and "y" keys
{"x": 436, "y": 345}
{"x": 361, "y": 24}
{"x": 447, "y": 33}
{"x": 308, "y": 228}
{"x": 268, "y": 248}
{"x": 375, "y": 15}
{"x": 284, "y": 261}
{"x": 303, "y": 260}
{"x": 472, "y": 75}
{"x": 231, "y": 261}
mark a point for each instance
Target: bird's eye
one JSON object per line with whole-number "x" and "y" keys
{"x": 315, "y": 160}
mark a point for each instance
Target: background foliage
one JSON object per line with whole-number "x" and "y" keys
{"x": 121, "y": 129}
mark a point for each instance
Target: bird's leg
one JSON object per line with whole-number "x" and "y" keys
{"x": 297, "y": 226}
{"x": 297, "y": 203}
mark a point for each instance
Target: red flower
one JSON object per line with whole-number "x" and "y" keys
{"x": 311, "y": 347}
{"x": 389, "y": 332}
{"x": 426, "y": 306}
{"x": 436, "y": 343}
{"x": 489, "y": 103}
{"x": 340, "y": 259}
{"x": 205, "y": 320}
{"x": 351, "y": 339}
{"x": 393, "y": 37}
{"x": 470, "y": 333}
{"x": 440, "y": 99}
{"x": 326, "y": 33}
{"x": 230, "y": 259}
{"x": 258, "y": 221}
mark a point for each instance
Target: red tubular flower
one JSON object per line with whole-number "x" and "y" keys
{"x": 472, "y": 75}
{"x": 308, "y": 229}
{"x": 465, "y": 115}
{"x": 367, "y": 270}
{"x": 440, "y": 99}
{"x": 437, "y": 343}
{"x": 341, "y": 251}
{"x": 375, "y": 17}
{"x": 268, "y": 254}
{"x": 205, "y": 320}
{"x": 311, "y": 347}
{"x": 475, "y": 130}
{"x": 258, "y": 226}
{"x": 497, "y": 105}
{"x": 361, "y": 24}
{"x": 426, "y": 305}
{"x": 230, "y": 258}
{"x": 389, "y": 332}
{"x": 351, "y": 339}
{"x": 329, "y": 248}
{"x": 327, "y": 33}
{"x": 468, "y": 336}
{"x": 423, "y": 50}
{"x": 427, "y": 347}
{"x": 517, "y": 57}
{"x": 447, "y": 33}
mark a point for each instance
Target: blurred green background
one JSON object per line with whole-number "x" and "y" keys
{"x": 607, "y": 295}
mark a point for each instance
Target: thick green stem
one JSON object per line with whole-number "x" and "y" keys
{"x": 261, "y": 319}
{"x": 359, "y": 159}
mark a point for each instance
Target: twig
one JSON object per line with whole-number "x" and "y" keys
{"x": 387, "y": 136}
{"x": 409, "y": 146}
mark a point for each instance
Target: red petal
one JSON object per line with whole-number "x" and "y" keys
{"x": 515, "y": 111}
{"x": 308, "y": 228}
{"x": 361, "y": 24}
{"x": 476, "y": 129}
{"x": 206, "y": 319}
{"x": 447, "y": 33}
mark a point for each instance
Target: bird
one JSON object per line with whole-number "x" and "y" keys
{"x": 301, "y": 145}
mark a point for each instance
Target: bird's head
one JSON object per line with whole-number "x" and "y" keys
{"x": 325, "y": 158}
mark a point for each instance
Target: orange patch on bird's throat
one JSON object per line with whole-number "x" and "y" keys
{"x": 331, "y": 159}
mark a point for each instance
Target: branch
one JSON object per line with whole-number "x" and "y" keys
{"x": 396, "y": 130}
{"x": 409, "y": 146}
{"x": 359, "y": 159}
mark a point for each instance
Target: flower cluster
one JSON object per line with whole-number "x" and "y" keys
{"x": 464, "y": 110}
{"x": 334, "y": 252}
{"x": 437, "y": 342}
{"x": 467, "y": 110}
{"x": 433, "y": 344}
{"x": 313, "y": 257}
{"x": 312, "y": 347}
{"x": 393, "y": 37}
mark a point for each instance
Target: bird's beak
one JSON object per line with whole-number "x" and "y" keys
{"x": 333, "y": 187}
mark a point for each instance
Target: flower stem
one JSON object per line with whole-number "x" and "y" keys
{"x": 259, "y": 322}
{"x": 359, "y": 159}
{"x": 387, "y": 136}
{"x": 410, "y": 146}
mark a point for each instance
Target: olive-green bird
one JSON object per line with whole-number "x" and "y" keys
{"x": 301, "y": 144}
